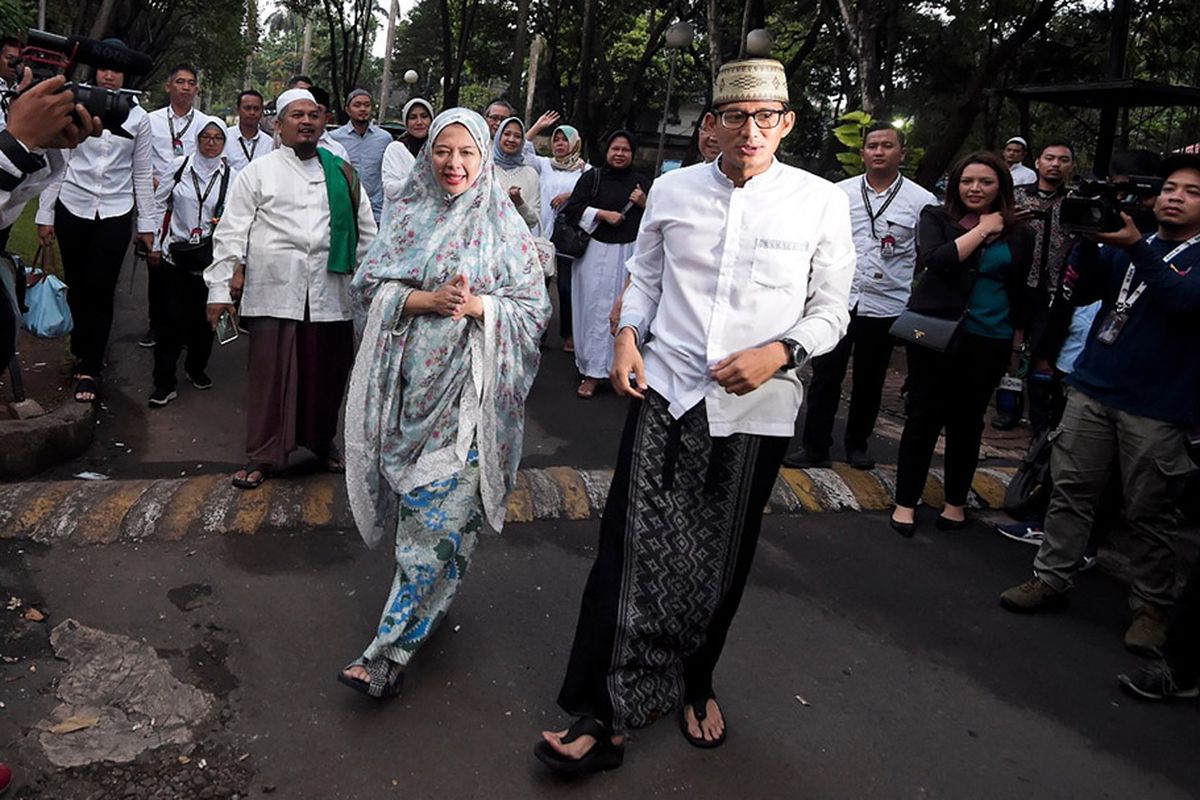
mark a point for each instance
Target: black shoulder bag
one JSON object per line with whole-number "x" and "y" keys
{"x": 569, "y": 239}
{"x": 195, "y": 256}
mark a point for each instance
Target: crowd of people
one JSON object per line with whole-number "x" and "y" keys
{"x": 414, "y": 274}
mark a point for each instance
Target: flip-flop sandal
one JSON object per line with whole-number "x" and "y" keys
{"x": 700, "y": 709}
{"x": 85, "y": 385}
{"x": 333, "y": 462}
{"x": 263, "y": 470}
{"x": 604, "y": 755}
{"x": 386, "y": 678}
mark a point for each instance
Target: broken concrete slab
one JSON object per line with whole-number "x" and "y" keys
{"x": 137, "y": 703}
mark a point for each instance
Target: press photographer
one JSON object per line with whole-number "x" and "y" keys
{"x": 1133, "y": 395}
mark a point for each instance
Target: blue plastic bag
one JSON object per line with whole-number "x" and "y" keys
{"x": 49, "y": 316}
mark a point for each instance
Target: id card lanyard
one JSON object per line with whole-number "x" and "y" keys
{"x": 198, "y": 232}
{"x": 887, "y": 245}
{"x": 177, "y": 138}
{"x": 1115, "y": 321}
{"x": 253, "y": 146}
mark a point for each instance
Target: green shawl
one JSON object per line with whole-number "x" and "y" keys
{"x": 344, "y": 194}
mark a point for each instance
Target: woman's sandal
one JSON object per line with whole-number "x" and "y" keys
{"x": 246, "y": 482}
{"x": 587, "y": 388}
{"x": 333, "y": 462}
{"x": 85, "y": 384}
{"x": 603, "y": 755}
{"x": 386, "y": 678}
{"x": 700, "y": 709}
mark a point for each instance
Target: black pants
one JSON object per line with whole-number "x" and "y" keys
{"x": 1183, "y": 632}
{"x": 951, "y": 391}
{"x": 92, "y": 252}
{"x": 563, "y": 277}
{"x": 871, "y": 344}
{"x": 158, "y": 290}
{"x": 4, "y": 232}
{"x": 184, "y": 322}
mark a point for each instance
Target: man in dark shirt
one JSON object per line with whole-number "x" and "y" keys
{"x": 1133, "y": 395}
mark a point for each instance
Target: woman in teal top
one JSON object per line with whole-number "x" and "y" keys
{"x": 973, "y": 256}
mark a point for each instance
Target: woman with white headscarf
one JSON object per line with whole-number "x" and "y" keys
{"x": 400, "y": 155}
{"x": 189, "y": 203}
{"x": 455, "y": 305}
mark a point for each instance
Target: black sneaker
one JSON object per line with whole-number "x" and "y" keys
{"x": 160, "y": 397}
{"x": 200, "y": 380}
{"x": 806, "y": 459}
{"x": 859, "y": 459}
{"x": 1157, "y": 681}
{"x": 149, "y": 339}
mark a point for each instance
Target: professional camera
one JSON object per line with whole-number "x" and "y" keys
{"x": 1095, "y": 206}
{"x": 48, "y": 54}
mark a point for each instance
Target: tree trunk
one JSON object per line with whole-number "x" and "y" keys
{"x": 583, "y": 95}
{"x": 714, "y": 39}
{"x": 519, "y": 39}
{"x": 103, "y": 18}
{"x": 447, "y": 52}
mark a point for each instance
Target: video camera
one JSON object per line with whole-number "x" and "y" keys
{"x": 1095, "y": 206}
{"x": 48, "y": 54}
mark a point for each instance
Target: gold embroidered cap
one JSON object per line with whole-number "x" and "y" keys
{"x": 750, "y": 79}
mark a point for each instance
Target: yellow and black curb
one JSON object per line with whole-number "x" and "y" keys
{"x": 101, "y": 512}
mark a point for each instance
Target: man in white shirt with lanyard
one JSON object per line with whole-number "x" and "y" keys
{"x": 741, "y": 271}
{"x": 170, "y": 127}
{"x": 245, "y": 141}
{"x": 884, "y": 210}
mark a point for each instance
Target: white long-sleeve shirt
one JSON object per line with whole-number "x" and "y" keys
{"x": 396, "y": 167}
{"x": 106, "y": 176}
{"x": 276, "y": 222}
{"x": 187, "y": 212}
{"x": 883, "y": 281}
{"x": 12, "y": 201}
{"x": 718, "y": 269}
{"x": 162, "y": 121}
{"x": 240, "y": 151}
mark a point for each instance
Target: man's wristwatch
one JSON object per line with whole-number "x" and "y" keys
{"x": 796, "y": 354}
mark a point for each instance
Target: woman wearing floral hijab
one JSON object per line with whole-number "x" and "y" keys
{"x": 455, "y": 305}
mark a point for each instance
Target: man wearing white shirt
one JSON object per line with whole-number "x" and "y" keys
{"x": 884, "y": 210}
{"x": 280, "y": 231}
{"x": 245, "y": 141}
{"x": 173, "y": 130}
{"x": 741, "y": 270}
{"x": 1014, "y": 155}
{"x": 91, "y": 210}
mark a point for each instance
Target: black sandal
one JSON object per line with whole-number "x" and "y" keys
{"x": 264, "y": 471}
{"x": 386, "y": 678}
{"x": 85, "y": 384}
{"x": 700, "y": 709}
{"x": 604, "y": 755}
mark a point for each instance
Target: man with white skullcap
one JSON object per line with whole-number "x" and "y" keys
{"x": 1014, "y": 155}
{"x": 295, "y": 226}
{"x": 741, "y": 272}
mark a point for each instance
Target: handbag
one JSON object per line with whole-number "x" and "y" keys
{"x": 193, "y": 256}
{"x": 546, "y": 256}
{"x": 926, "y": 331}
{"x": 570, "y": 241}
{"x": 1028, "y": 493}
{"x": 48, "y": 315}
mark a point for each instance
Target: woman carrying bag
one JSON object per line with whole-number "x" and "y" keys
{"x": 191, "y": 202}
{"x": 963, "y": 323}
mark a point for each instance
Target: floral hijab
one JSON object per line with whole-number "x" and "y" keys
{"x": 427, "y": 389}
{"x": 572, "y": 161}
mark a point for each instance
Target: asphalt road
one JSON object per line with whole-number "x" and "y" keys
{"x": 915, "y": 684}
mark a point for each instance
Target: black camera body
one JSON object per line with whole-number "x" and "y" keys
{"x": 48, "y": 54}
{"x": 1095, "y": 206}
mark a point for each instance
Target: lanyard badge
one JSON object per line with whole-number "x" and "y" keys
{"x": 887, "y": 246}
{"x": 177, "y": 147}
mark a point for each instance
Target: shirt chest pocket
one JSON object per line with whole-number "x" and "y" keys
{"x": 903, "y": 228}
{"x": 779, "y": 263}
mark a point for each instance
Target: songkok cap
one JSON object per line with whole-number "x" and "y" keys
{"x": 750, "y": 79}
{"x": 291, "y": 96}
{"x": 355, "y": 93}
{"x": 1019, "y": 140}
{"x": 1178, "y": 161}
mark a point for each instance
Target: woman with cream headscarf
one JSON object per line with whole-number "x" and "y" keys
{"x": 188, "y": 202}
{"x": 454, "y": 303}
{"x": 400, "y": 155}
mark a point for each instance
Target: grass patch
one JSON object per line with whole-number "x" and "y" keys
{"x": 23, "y": 239}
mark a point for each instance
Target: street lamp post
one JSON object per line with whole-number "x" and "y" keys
{"x": 679, "y": 36}
{"x": 410, "y": 78}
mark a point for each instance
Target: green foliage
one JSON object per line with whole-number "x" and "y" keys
{"x": 15, "y": 16}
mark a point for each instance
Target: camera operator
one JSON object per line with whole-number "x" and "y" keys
{"x": 1134, "y": 393}
{"x": 41, "y": 122}
{"x": 91, "y": 210}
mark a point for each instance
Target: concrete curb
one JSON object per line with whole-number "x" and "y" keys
{"x": 101, "y": 512}
{"x": 28, "y": 446}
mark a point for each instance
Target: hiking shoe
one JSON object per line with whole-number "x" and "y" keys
{"x": 1027, "y": 532}
{"x": 200, "y": 380}
{"x": 807, "y": 459}
{"x": 1148, "y": 631}
{"x": 160, "y": 397}
{"x": 859, "y": 459}
{"x": 149, "y": 339}
{"x": 1157, "y": 681}
{"x": 1032, "y": 595}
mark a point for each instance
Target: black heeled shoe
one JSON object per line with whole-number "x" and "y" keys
{"x": 905, "y": 529}
{"x": 947, "y": 524}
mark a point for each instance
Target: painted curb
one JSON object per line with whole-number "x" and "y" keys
{"x": 101, "y": 512}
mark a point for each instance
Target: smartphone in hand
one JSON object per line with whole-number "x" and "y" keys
{"x": 227, "y": 329}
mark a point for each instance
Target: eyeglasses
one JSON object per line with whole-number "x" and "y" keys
{"x": 764, "y": 118}
{"x": 497, "y": 117}
{"x": 211, "y": 138}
